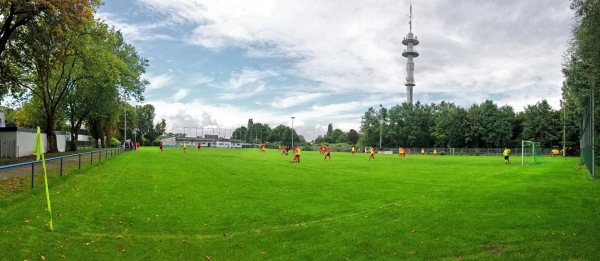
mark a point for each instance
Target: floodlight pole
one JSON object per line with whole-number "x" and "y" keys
{"x": 381, "y": 125}
{"x": 125, "y": 120}
{"x": 293, "y": 130}
{"x": 564, "y": 131}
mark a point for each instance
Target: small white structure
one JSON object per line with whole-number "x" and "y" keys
{"x": 18, "y": 142}
{"x": 2, "y": 119}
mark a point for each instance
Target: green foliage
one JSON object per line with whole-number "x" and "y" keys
{"x": 541, "y": 123}
{"x": 352, "y": 136}
{"x": 114, "y": 142}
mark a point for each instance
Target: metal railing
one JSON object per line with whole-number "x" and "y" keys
{"x": 61, "y": 161}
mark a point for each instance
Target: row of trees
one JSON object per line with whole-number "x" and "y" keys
{"x": 262, "y": 133}
{"x": 449, "y": 125}
{"x": 71, "y": 70}
{"x": 581, "y": 67}
{"x": 337, "y": 136}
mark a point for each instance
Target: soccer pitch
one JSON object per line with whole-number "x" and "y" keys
{"x": 240, "y": 204}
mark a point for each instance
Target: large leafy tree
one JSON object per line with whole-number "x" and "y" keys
{"x": 283, "y": 134}
{"x": 369, "y": 128}
{"x": 352, "y": 136}
{"x": 145, "y": 122}
{"x": 541, "y": 123}
{"x": 155, "y": 132}
{"x": 50, "y": 62}
{"x": 18, "y": 22}
{"x": 450, "y": 123}
{"x": 97, "y": 68}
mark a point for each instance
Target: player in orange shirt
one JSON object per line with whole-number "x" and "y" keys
{"x": 328, "y": 151}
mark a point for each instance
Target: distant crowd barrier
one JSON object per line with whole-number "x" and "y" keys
{"x": 56, "y": 163}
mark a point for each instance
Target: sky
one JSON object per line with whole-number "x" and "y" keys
{"x": 216, "y": 64}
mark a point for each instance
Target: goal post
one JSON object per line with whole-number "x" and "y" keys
{"x": 531, "y": 152}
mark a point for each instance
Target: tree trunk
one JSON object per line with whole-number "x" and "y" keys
{"x": 74, "y": 138}
{"x": 51, "y": 136}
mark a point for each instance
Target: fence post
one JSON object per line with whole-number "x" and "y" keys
{"x": 32, "y": 172}
{"x": 61, "y": 166}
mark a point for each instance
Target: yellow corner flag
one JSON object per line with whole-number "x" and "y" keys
{"x": 38, "y": 149}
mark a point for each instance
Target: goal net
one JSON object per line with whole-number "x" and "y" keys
{"x": 531, "y": 153}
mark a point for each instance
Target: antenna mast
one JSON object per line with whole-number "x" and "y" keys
{"x": 410, "y": 19}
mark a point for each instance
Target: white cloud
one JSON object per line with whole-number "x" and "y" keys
{"x": 180, "y": 94}
{"x": 157, "y": 81}
{"x": 135, "y": 32}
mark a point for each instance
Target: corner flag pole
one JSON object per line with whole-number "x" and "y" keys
{"x": 38, "y": 149}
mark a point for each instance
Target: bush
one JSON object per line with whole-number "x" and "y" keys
{"x": 114, "y": 143}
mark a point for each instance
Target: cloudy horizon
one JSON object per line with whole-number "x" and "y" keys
{"x": 216, "y": 64}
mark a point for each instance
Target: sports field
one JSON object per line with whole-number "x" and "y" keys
{"x": 232, "y": 204}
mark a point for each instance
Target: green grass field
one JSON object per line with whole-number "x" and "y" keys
{"x": 231, "y": 204}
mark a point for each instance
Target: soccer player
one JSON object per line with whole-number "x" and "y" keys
{"x": 422, "y": 152}
{"x": 435, "y": 152}
{"x": 372, "y": 155}
{"x": 321, "y": 149}
{"x": 184, "y": 147}
{"x": 328, "y": 151}
{"x": 506, "y": 154}
{"x": 160, "y": 144}
{"x": 298, "y": 154}
{"x": 401, "y": 153}
{"x": 198, "y": 145}
{"x": 352, "y": 151}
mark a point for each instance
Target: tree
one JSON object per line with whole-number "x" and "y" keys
{"x": 96, "y": 92}
{"x": 337, "y": 136}
{"x": 52, "y": 64}
{"x": 541, "y": 123}
{"x": 155, "y": 132}
{"x": 283, "y": 134}
{"x": 352, "y": 136}
{"x": 369, "y": 129}
{"x": 240, "y": 133}
{"x": 145, "y": 122}
{"x": 450, "y": 123}
{"x": 17, "y": 14}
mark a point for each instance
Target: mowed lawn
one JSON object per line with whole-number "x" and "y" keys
{"x": 239, "y": 204}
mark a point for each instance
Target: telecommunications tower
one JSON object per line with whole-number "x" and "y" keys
{"x": 410, "y": 41}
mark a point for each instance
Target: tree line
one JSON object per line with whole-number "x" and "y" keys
{"x": 581, "y": 66}
{"x": 68, "y": 70}
{"x": 447, "y": 125}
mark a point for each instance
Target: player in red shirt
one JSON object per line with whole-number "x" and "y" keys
{"x": 198, "y": 145}
{"x": 328, "y": 153}
{"x": 160, "y": 144}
